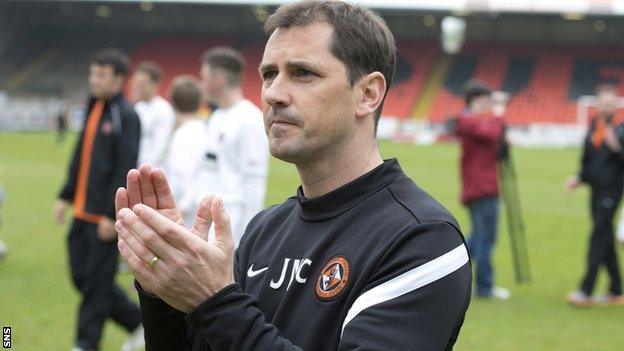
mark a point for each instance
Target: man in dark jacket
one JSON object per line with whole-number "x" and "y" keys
{"x": 360, "y": 259}
{"x": 480, "y": 133}
{"x": 106, "y": 151}
{"x": 602, "y": 168}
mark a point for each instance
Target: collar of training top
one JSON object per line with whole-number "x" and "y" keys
{"x": 337, "y": 202}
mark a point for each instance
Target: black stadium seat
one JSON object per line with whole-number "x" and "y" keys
{"x": 518, "y": 74}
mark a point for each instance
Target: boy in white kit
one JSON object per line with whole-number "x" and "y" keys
{"x": 185, "y": 153}
{"x": 155, "y": 113}
{"x": 236, "y": 150}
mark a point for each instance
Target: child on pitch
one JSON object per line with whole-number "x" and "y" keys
{"x": 185, "y": 153}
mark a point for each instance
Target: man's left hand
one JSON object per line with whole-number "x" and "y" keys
{"x": 106, "y": 229}
{"x": 188, "y": 270}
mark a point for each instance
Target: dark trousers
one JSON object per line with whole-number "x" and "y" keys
{"x": 484, "y": 218}
{"x": 604, "y": 204}
{"x": 93, "y": 266}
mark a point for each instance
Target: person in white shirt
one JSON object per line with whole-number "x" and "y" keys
{"x": 237, "y": 152}
{"x": 155, "y": 113}
{"x": 185, "y": 152}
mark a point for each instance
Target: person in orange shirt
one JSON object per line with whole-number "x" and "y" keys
{"x": 106, "y": 151}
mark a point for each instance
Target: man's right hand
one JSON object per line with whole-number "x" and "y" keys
{"x": 60, "y": 207}
{"x": 149, "y": 187}
{"x": 572, "y": 183}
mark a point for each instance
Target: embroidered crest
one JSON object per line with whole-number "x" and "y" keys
{"x": 332, "y": 279}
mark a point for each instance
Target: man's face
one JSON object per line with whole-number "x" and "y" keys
{"x": 481, "y": 104}
{"x": 309, "y": 106}
{"x": 607, "y": 102}
{"x": 143, "y": 88}
{"x": 103, "y": 82}
{"x": 212, "y": 80}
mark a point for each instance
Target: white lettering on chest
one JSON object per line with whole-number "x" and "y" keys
{"x": 295, "y": 273}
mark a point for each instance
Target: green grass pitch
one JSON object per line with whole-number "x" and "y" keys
{"x": 38, "y": 301}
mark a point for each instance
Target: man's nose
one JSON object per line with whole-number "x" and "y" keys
{"x": 277, "y": 94}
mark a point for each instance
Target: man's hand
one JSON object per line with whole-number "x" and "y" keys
{"x": 149, "y": 187}
{"x": 572, "y": 183}
{"x": 106, "y": 229}
{"x": 189, "y": 270}
{"x": 612, "y": 140}
{"x": 60, "y": 207}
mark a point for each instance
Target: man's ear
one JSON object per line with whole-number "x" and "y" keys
{"x": 372, "y": 89}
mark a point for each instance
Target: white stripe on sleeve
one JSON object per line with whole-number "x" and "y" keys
{"x": 409, "y": 281}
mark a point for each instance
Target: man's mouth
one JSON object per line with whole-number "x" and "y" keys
{"x": 282, "y": 122}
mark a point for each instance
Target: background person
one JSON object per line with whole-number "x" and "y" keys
{"x": 105, "y": 152}
{"x": 156, "y": 114}
{"x": 602, "y": 169}
{"x": 480, "y": 133}
{"x": 185, "y": 153}
{"x": 236, "y": 163}
{"x": 62, "y": 121}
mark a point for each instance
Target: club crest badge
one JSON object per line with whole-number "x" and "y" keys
{"x": 107, "y": 128}
{"x": 332, "y": 279}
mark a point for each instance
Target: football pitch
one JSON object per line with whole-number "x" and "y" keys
{"x": 39, "y": 303}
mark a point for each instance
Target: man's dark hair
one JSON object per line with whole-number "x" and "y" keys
{"x": 229, "y": 61}
{"x": 150, "y": 68}
{"x": 473, "y": 89}
{"x": 114, "y": 58}
{"x": 361, "y": 39}
{"x": 186, "y": 94}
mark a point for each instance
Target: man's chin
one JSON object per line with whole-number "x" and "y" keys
{"x": 284, "y": 156}
{"x": 284, "y": 153}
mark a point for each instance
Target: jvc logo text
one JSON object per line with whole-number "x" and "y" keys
{"x": 295, "y": 273}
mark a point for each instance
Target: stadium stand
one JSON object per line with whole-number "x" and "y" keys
{"x": 544, "y": 80}
{"x": 182, "y": 55}
{"x": 56, "y": 63}
{"x": 414, "y": 63}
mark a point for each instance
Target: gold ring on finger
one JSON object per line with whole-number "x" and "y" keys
{"x": 152, "y": 262}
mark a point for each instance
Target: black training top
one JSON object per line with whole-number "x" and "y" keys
{"x": 374, "y": 265}
{"x": 113, "y": 153}
{"x": 601, "y": 167}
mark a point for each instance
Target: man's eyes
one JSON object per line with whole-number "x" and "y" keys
{"x": 298, "y": 73}
{"x": 268, "y": 75}
{"x": 304, "y": 73}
